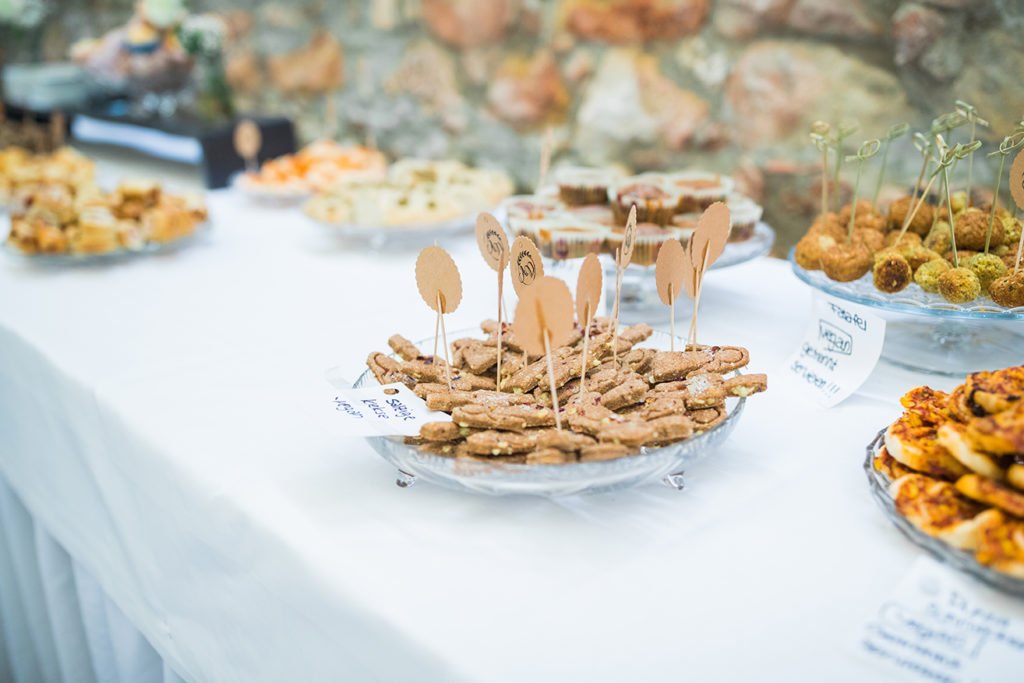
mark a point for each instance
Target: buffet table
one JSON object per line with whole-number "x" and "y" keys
{"x": 160, "y": 444}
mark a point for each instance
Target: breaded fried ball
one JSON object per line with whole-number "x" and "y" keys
{"x": 919, "y": 255}
{"x": 892, "y": 273}
{"x": 872, "y": 239}
{"x": 962, "y": 255}
{"x": 1010, "y": 259}
{"x": 938, "y": 239}
{"x": 908, "y": 239}
{"x": 927, "y": 276}
{"x": 864, "y": 208}
{"x": 1011, "y": 229}
{"x": 810, "y": 249}
{"x": 959, "y": 285}
{"x": 922, "y": 222}
{"x": 846, "y": 262}
{"x": 1008, "y": 290}
{"x": 971, "y": 226}
{"x": 829, "y": 224}
{"x": 988, "y": 267}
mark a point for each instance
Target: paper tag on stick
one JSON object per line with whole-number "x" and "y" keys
{"x": 525, "y": 264}
{"x": 628, "y": 237}
{"x": 588, "y": 289}
{"x": 490, "y": 237}
{"x": 547, "y": 306}
{"x": 436, "y": 272}
{"x": 840, "y": 349}
{"x": 248, "y": 140}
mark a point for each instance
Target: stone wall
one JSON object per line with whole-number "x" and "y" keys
{"x": 727, "y": 84}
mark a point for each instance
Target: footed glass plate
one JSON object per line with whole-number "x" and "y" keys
{"x": 666, "y": 464}
{"x": 962, "y": 560}
{"x": 639, "y": 297}
{"x": 926, "y": 333}
{"x": 111, "y": 256}
{"x": 411, "y": 235}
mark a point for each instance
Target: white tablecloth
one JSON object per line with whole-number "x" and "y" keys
{"x": 154, "y": 419}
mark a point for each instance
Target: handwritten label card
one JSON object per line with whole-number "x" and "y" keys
{"x": 938, "y": 625}
{"x": 839, "y": 350}
{"x": 386, "y": 410}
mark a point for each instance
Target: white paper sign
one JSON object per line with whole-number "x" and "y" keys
{"x": 938, "y": 625}
{"x": 384, "y": 410}
{"x": 840, "y": 349}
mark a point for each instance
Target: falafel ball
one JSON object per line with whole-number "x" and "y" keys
{"x": 1008, "y": 290}
{"x": 987, "y": 267}
{"x": 892, "y": 273}
{"x": 810, "y": 249}
{"x": 971, "y": 226}
{"x": 1011, "y": 229}
{"x": 922, "y": 222}
{"x": 938, "y": 238}
{"x": 927, "y": 276}
{"x": 908, "y": 239}
{"x": 872, "y": 239}
{"x": 919, "y": 255}
{"x": 864, "y": 208}
{"x": 959, "y": 285}
{"x": 846, "y": 262}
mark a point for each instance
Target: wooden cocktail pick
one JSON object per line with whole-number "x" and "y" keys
{"x": 248, "y": 141}
{"x": 706, "y": 245}
{"x": 545, "y": 158}
{"x": 588, "y": 295}
{"x": 544, "y": 321}
{"x": 623, "y": 255}
{"x": 669, "y": 271}
{"x": 1017, "y": 191}
{"x": 819, "y": 136}
{"x": 57, "y": 128}
{"x": 526, "y": 269}
{"x": 437, "y": 278}
{"x": 490, "y": 237}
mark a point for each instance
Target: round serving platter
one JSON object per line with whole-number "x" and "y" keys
{"x": 666, "y": 464}
{"x": 959, "y": 559}
{"x": 79, "y": 259}
{"x": 926, "y": 333}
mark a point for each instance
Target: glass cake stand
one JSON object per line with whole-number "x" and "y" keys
{"x": 926, "y": 333}
{"x": 419, "y": 235}
{"x": 151, "y": 248}
{"x": 639, "y": 299}
{"x": 959, "y": 559}
{"x": 666, "y": 464}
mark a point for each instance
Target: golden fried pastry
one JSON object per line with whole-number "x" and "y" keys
{"x": 999, "y": 434}
{"x": 914, "y": 443}
{"x": 889, "y": 466}
{"x": 1015, "y": 475}
{"x": 994, "y": 392}
{"x": 990, "y": 492}
{"x": 954, "y": 437}
{"x": 935, "y": 507}
{"x": 931, "y": 405}
{"x": 1000, "y": 544}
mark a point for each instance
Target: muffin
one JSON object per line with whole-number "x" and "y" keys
{"x": 579, "y": 185}
{"x": 697, "y": 190}
{"x": 654, "y": 204}
{"x": 744, "y": 213}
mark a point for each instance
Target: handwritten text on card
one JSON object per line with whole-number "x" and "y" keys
{"x": 386, "y": 410}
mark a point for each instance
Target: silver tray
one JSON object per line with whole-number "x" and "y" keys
{"x": 666, "y": 464}
{"x": 962, "y": 560}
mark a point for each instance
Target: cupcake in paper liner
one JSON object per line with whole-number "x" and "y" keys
{"x": 579, "y": 185}
{"x": 600, "y": 215}
{"x": 745, "y": 213}
{"x": 571, "y": 239}
{"x": 685, "y": 224}
{"x": 654, "y": 204}
{"x": 531, "y": 206}
{"x": 649, "y": 238}
{"x": 697, "y": 190}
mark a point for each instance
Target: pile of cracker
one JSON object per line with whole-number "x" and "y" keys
{"x": 956, "y": 466}
{"x": 635, "y": 397}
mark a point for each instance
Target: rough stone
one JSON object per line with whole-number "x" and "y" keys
{"x": 677, "y": 112}
{"x": 242, "y": 69}
{"x": 528, "y": 91}
{"x": 848, "y": 19}
{"x": 627, "y": 21}
{"x": 315, "y": 68}
{"x": 777, "y": 88}
{"x": 427, "y": 73}
{"x": 465, "y": 23}
{"x": 991, "y": 80}
{"x": 743, "y": 19}
{"x": 915, "y": 27}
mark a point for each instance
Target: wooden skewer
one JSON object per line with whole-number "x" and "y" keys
{"x": 501, "y": 278}
{"x": 551, "y": 379}
{"x": 696, "y": 299}
{"x": 444, "y": 338}
{"x": 615, "y": 316}
{"x": 671, "y": 318}
{"x": 586, "y": 344}
{"x": 1020, "y": 246}
{"x": 910, "y": 216}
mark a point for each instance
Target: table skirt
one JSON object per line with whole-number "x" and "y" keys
{"x": 56, "y": 622}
